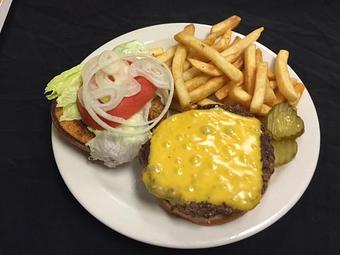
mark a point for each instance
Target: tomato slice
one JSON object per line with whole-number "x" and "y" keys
{"x": 127, "y": 107}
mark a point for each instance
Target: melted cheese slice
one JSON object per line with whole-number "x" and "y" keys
{"x": 206, "y": 155}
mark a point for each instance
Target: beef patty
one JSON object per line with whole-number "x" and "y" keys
{"x": 204, "y": 210}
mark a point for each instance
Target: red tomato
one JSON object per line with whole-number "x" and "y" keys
{"x": 127, "y": 107}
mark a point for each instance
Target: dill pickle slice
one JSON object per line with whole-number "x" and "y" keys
{"x": 284, "y": 151}
{"x": 283, "y": 122}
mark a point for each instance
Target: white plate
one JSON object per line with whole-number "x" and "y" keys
{"x": 118, "y": 198}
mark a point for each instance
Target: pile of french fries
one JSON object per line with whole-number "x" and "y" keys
{"x": 219, "y": 70}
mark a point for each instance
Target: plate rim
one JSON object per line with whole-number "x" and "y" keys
{"x": 255, "y": 229}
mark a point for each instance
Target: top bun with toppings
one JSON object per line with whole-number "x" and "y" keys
{"x": 108, "y": 105}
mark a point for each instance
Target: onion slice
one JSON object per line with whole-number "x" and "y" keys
{"x": 108, "y": 63}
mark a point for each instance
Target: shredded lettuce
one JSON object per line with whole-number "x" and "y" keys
{"x": 113, "y": 149}
{"x": 130, "y": 48}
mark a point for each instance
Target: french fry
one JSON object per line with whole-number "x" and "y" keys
{"x": 236, "y": 40}
{"x": 250, "y": 68}
{"x": 293, "y": 81}
{"x": 219, "y": 44}
{"x": 264, "y": 110}
{"x": 259, "y": 57}
{"x": 191, "y": 73}
{"x": 222, "y": 43}
{"x": 167, "y": 55}
{"x": 186, "y": 65}
{"x": 299, "y": 88}
{"x": 239, "y": 95}
{"x": 156, "y": 51}
{"x": 269, "y": 96}
{"x": 220, "y": 28}
{"x": 279, "y": 98}
{"x": 207, "y": 89}
{"x": 282, "y": 76}
{"x": 243, "y": 43}
{"x": 207, "y": 101}
{"x": 211, "y": 69}
{"x": 238, "y": 63}
{"x": 229, "y": 23}
{"x": 233, "y": 57}
{"x": 190, "y": 29}
{"x": 260, "y": 88}
{"x": 227, "y": 68}
{"x": 271, "y": 75}
{"x": 177, "y": 68}
{"x": 206, "y": 68}
{"x": 168, "y": 63}
{"x": 223, "y": 92}
{"x": 227, "y": 36}
{"x": 273, "y": 84}
{"x": 196, "y": 82}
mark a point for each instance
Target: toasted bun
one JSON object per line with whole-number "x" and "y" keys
{"x": 77, "y": 133}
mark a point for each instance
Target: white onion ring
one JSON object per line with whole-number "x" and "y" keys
{"x": 91, "y": 105}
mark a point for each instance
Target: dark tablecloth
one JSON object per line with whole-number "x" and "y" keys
{"x": 38, "y": 214}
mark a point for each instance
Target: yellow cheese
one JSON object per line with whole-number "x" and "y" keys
{"x": 206, "y": 155}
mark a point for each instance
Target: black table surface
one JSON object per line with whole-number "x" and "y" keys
{"x": 38, "y": 214}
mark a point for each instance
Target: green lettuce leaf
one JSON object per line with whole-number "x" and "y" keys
{"x": 130, "y": 48}
{"x": 68, "y": 81}
{"x": 65, "y": 87}
{"x": 70, "y": 112}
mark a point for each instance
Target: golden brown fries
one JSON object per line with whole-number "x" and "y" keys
{"x": 206, "y": 68}
{"x": 282, "y": 76}
{"x": 191, "y": 73}
{"x": 259, "y": 57}
{"x": 229, "y": 23}
{"x": 279, "y": 98}
{"x": 260, "y": 88}
{"x": 269, "y": 96}
{"x": 223, "y": 92}
{"x": 227, "y": 68}
{"x": 273, "y": 84}
{"x": 167, "y": 55}
{"x": 236, "y": 40}
{"x": 221, "y": 27}
{"x": 222, "y": 43}
{"x": 227, "y": 36}
{"x": 271, "y": 75}
{"x": 250, "y": 68}
{"x": 196, "y": 82}
{"x": 207, "y": 89}
{"x": 186, "y": 65}
{"x": 218, "y": 70}
{"x": 177, "y": 72}
{"x": 156, "y": 51}
{"x": 190, "y": 29}
{"x": 243, "y": 43}
{"x": 239, "y": 95}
